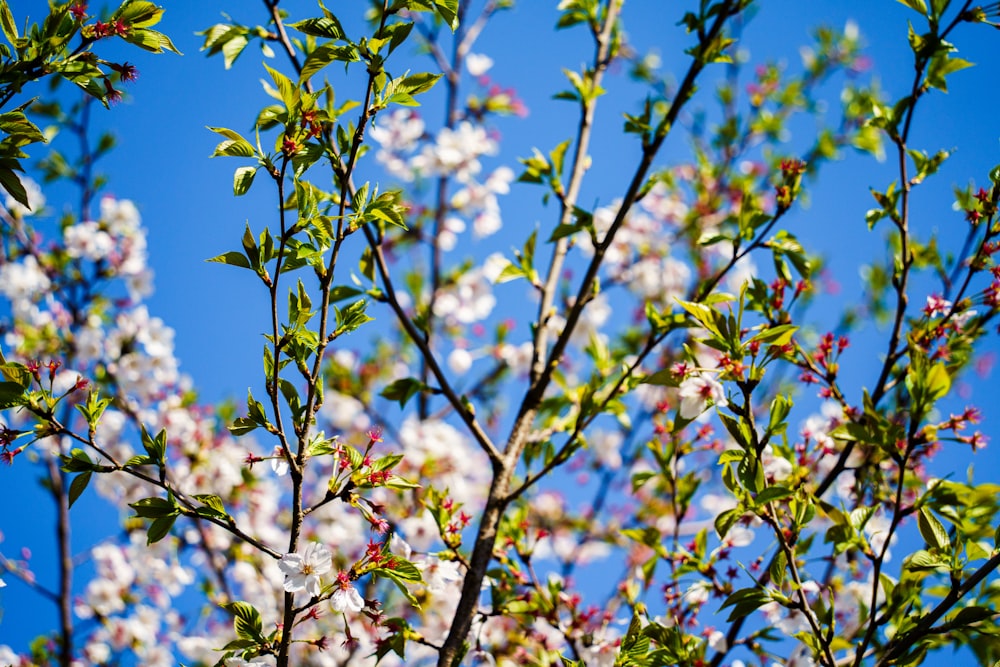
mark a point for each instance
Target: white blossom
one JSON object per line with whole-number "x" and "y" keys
{"x": 478, "y": 63}
{"x": 346, "y": 597}
{"x": 303, "y": 570}
{"x": 606, "y": 446}
{"x": 87, "y": 240}
{"x": 697, "y": 393}
{"x": 456, "y": 152}
{"x": 23, "y": 280}
{"x": 278, "y": 462}
{"x": 459, "y": 361}
{"x": 439, "y": 574}
{"x": 467, "y": 301}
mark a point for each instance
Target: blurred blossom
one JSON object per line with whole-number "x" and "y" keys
{"x": 447, "y": 236}
{"x": 478, "y": 64}
{"x": 494, "y": 266}
{"x": 697, "y": 594}
{"x": 470, "y": 299}
{"x": 23, "y": 280}
{"x": 240, "y": 662}
{"x": 480, "y": 200}
{"x": 345, "y": 412}
{"x": 397, "y": 133}
{"x": 87, "y": 240}
{"x": 775, "y": 466}
{"x": 459, "y": 361}
{"x": 517, "y": 357}
{"x": 456, "y": 152}
{"x": 606, "y": 446}
{"x": 664, "y": 204}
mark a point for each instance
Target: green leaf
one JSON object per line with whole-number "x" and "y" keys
{"x": 777, "y": 570}
{"x": 212, "y": 501}
{"x": 12, "y": 394}
{"x": 15, "y": 372}
{"x": 938, "y": 381}
{"x": 726, "y": 520}
{"x": 234, "y": 146}
{"x": 246, "y": 620}
{"x": 915, "y": 5}
{"x": 562, "y": 231}
{"x": 78, "y": 485}
{"x": 159, "y": 528}
{"x": 351, "y": 317}
{"x": 448, "y": 11}
{"x": 415, "y": 84}
{"x": 326, "y": 54}
{"x": 232, "y": 48}
{"x": 327, "y": 26}
{"x": 12, "y": 184}
{"x": 156, "y": 447}
{"x": 232, "y": 258}
{"x": 745, "y": 601}
{"x": 286, "y": 89}
{"x": 924, "y": 560}
{"x": 773, "y": 493}
{"x": 403, "y": 390}
{"x": 7, "y": 20}
{"x": 140, "y": 461}
{"x": 970, "y": 615}
{"x": 154, "y": 508}
{"x": 777, "y": 335}
{"x": 942, "y": 66}
{"x": 242, "y": 426}
{"x": 243, "y": 179}
{"x": 77, "y": 461}
{"x": 151, "y": 40}
{"x": 933, "y": 532}
{"x": 139, "y": 14}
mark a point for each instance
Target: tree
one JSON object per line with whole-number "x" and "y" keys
{"x": 322, "y": 525}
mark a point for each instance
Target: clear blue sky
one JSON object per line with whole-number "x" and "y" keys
{"x": 190, "y": 214}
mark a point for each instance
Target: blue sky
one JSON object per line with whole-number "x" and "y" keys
{"x": 190, "y": 214}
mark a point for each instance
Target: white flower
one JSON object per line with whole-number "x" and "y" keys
{"x": 23, "y": 280}
{"x": 478, "y": 64}
{"x": 397, "y": 133}
{"x": 607, "y": 448}
{"x": 697, "y": 594}
{"x": 777, "y": 467}
{"x": 459, "y": 361}
{"x": 456, "y": 152}
{"x": 278, "y": 462}
{"x": 439, "y": 574}
{"x": 346, "y": 597}
{"x": 303, "y": 571}
{"x": 447, "y": 235}
{"x": 469, "y": 300}
{"x": 88, "y": 240}
{"x": 482, "y": 201}
{"x": 697, "y": 393}
{"x": 739, "y": 536}
{"x": 494, "y": 265}
{"x": 717, "y": 642}
{"x": 240, "y": 662}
